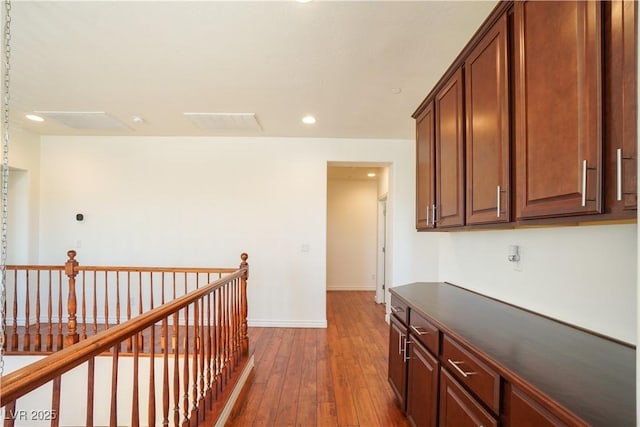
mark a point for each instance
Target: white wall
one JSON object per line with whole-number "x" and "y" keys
{"x": 583, "y": 275}
{"x": 24, "y": 188}
{"x": 352, "y": 225}
{"x": 202, "y": 201}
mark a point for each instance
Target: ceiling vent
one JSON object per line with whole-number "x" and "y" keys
{"x": 225, "y": 121}
{"x": 86, "y": 120}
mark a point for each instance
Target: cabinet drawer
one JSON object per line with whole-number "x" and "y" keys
{"x": 400, "y": 309}
{"x": 424, "y": 331}
{"x": 470, "y": 371}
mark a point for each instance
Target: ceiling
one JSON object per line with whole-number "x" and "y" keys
{"x": 360, "y": 67}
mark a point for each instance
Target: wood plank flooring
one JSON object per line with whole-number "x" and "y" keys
{"x": 323, "y": 377}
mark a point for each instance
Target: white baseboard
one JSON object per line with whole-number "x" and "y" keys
{"x": 228, "y": 407}
{"x": 350, "y": 288}
{"x": 287, "y": 323}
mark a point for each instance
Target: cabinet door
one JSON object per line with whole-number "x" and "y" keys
{"x": 487, "y": 137}
{"x": 422, "y": 386}
{"x": 449, "y": 108}
{"x": 425, "y": 169}
{"x": 526, "y": 412}
{"x": 397, "y": 363}
{"x": 558, "y": 108}
{"x": 621, "y": 107}
{"x": 458, "y": 408}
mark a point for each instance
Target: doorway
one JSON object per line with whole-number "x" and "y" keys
{"x": 356, "y": 229}
{"x": 382, "y": 250}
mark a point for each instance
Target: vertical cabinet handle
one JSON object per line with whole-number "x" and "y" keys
{"x": 406, "y": 350}
{"x": 427, "y": 209}
{"x": 498, "y": 201}
{"x": 585, "y": 167}
{"x": 619, "y": 174}
{"x": 433, "y": 214}
{"x": 584, "y": 183}
{"x": 400, "y": 344}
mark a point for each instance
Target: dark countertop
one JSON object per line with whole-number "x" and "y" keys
{"x": 591, "y": 376}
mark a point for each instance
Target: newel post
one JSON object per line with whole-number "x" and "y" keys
{"x": 243, "y": 285}
{"x": 71, "y": 270}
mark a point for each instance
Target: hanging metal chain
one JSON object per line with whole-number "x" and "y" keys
{"x": 5, "y": 176}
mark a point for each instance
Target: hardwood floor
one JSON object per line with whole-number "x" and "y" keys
{"x": 323, "y": 377}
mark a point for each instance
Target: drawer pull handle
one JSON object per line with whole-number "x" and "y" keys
{"x": 395, "y": 309}
{"x": 419, "y": 330}
{"x": 457, "y": 368}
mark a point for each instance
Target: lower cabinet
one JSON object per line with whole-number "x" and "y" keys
{"x": 422, "y": 386}
{"x": 457, "y": 359}
{"x": 458, "y": 408}
{"x": 397, "y": 360}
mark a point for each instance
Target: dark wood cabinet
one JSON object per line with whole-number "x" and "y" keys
{"x": 458, "y": 408}
{"x": 500, "y": 364}
{"x": 524, "y": 411}
{"x": 425, "y": 169}
{"x": 535, "y": 122}
{"x": 449, "y": 152}
{"x": 397, "y": 360}
{"x": 558, "y": 108}
{"x": 620, "y": 107}
{"x": 422, "y": 386}
{"x": 488, "y": 129}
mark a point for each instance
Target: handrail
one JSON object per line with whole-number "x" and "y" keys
{"x": 90, "y": 298}
{"x": 18, "y": 383}
{"x": 209, "y": 341}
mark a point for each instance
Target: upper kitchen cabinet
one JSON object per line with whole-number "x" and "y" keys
{"x": 425, "y": 168}
{"x": 449, "y": 153}
{"x": 558, "y": 108}
{"x": 487, "y": 131}
{"x": 620, "y": 108}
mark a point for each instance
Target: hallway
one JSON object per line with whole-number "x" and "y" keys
{"x": 323, "y": 377}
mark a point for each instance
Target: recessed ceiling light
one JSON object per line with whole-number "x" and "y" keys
{"x": 309, "y": 120}
{"x": 304, "y": 1}
{"x": 371, "y": 174}
{"x": 137, "y": 119}
{"x": 396, "y": 90}
{"x": 34, "y": 117}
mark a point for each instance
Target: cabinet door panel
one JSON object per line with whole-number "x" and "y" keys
{"x": 458, "y": 408}
{"x": 425, "y": 152}
{"x": 397, "y": 365}
{"x": 621, "y": 107}
{"x": 450, "y": 153}
{"x": 526, "y": 412}
{"x": 558, "y": 108}
{"x": 487, "y": 136}
{"x": 422, "y": 387}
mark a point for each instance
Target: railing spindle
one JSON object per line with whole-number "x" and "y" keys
{"x": 194, "y": 362}
{"x": 55, "y": 401}
{"x": 91, "y": 368}
{"x": 38, "y": 337}
{"x": 152, "y": 377}
{"x": 94, "y": 305}
{"x": 106, "y": 300}
{"x": 60, "y": 341}
{"x": 129, "y": 341}
{"x": 49, "y": 341}
{"x": 185, "y": 369}
{"x": 14, "y": 335}
{"x": 70, "y": 268}
{"x": 10, "y": 414}
{"x": 135, "y": 404}
{"x": 176, "y": 372}
{"x": 26, "y": 339}
{"x": 165, "y": 374}
{"x": 113, "y": 412}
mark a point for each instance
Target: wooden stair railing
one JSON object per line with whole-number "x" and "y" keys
{"x": 197, "y": 341}
{"x": 49, "y": 307}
